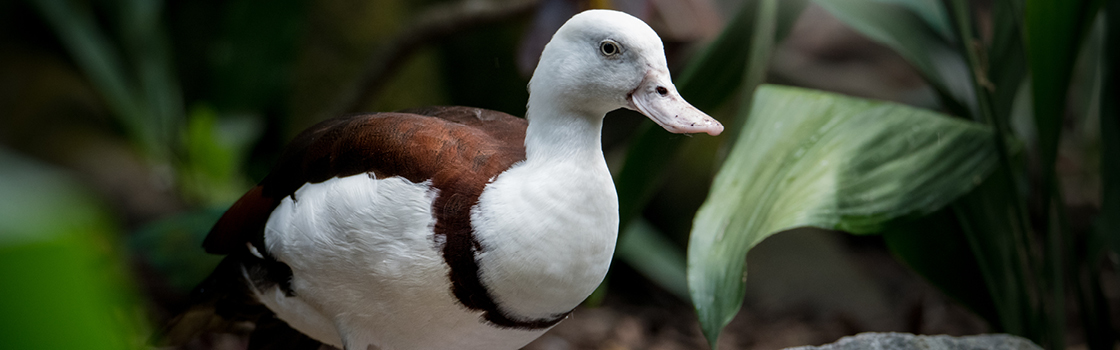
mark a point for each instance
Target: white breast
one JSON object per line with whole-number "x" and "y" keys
{"x": 547, "y": 232}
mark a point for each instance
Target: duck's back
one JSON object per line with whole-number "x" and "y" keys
{"x": 448, "y": 146}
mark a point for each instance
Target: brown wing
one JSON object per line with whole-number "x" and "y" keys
{"x": 452, "y": 146}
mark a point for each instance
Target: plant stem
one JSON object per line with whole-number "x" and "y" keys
{"x": 1017, "y": 288}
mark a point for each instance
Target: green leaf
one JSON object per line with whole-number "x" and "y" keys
{"x": 932, "y": 12}
{"x": 135, "y": 79}
{"x": 1110, "y": 131}
{"x": 1094, "y": 306}
{"x": 921, "y": 45}
{"x": 64, "y": 287}
{"x": 647, "y": 250}
{"x": 714, "y": 74}
{"x": 993, "y": 218}
{"x": 214, "y": 148}
{"x": 147, "y": 48}
{"x": 758, "y": 62}
{"x": 809, "y": 158}
{"x": 1000, "y": 241}
{"x": 1007, "y": 65}
{"x": 1053, "y": 31}
{"x": 99, "y": 61}
{"x": 709, "y": 80}
{"x": 936, "y": 247}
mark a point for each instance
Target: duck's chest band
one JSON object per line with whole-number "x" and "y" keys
{"x": 453, "y": 228}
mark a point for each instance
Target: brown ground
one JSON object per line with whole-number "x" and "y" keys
{"x": 805, "y": 287}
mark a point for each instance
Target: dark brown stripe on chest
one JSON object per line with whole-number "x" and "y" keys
{"x": 461, "y": 171}
{"x": 453, "y": 225}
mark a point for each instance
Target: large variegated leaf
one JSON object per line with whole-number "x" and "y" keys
{"x": 810, "y": 158}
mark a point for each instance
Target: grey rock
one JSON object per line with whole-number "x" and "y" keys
{"x": 906, "y": 341}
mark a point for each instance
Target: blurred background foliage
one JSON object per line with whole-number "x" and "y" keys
{"x": 128, "y": 126}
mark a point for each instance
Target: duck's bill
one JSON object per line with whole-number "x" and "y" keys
{"x": 659, "y": 100}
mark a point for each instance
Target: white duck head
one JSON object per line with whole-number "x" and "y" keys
{"x": 602, "y": 60}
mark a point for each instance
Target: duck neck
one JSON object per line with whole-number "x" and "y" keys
{"x": 559, "y": 133}
{"x": 547, "y": 228}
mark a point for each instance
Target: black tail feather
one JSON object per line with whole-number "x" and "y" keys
{"x": 224, "y": 303}
{"x": 273, "y": 334}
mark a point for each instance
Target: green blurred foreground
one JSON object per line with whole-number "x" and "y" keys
{"x": 64, "y": 285}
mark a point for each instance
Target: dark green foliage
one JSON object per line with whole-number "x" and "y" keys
{"x": 935, "y": 247}
{"x": 1014, "y": 266}
{"x": 481, "y": 71}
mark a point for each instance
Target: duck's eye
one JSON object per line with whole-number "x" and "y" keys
{"x": 609, "y": 48}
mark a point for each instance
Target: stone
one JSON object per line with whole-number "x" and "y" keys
{"x": 906, "y": 341}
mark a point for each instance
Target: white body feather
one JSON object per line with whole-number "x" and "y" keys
{"x": 362, "y": 248}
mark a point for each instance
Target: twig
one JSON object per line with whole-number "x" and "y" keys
{"x": 435, "y": 23}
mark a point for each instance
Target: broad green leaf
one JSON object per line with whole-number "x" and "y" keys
{"x": 647, "y": 250}
{"x": 809, "y": 158}
{"x": 907, "y": 34}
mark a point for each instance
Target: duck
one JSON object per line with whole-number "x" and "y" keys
{"x": 442, "y": 227}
